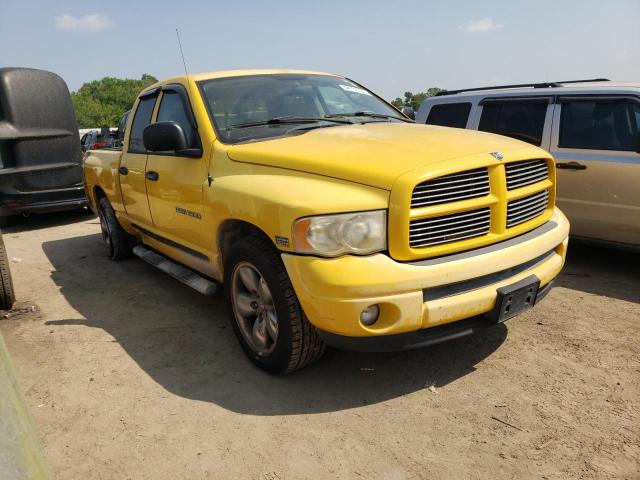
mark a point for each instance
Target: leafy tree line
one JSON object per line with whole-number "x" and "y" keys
{"x": 414, "y": 100}
{"x": 102, "y": 102}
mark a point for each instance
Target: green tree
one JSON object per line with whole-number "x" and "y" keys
{"x": 414, "y": 101}
{"x": 102, "y": 102}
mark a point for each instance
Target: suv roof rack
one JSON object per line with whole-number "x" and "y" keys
{"x": 520, "y": 85}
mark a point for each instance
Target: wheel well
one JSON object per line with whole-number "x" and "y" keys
{"x": 231, "y": 231}
{"x": 98, "y": 193}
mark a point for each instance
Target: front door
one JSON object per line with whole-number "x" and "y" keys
{"x": 133, "y": 165}
{"x": 595, "y": 144}
{"x": 175, "y": 182}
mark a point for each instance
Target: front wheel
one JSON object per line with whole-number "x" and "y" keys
{"x": 266, "y": 315}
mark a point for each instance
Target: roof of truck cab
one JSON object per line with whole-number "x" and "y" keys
{"x": 238, "y": 73}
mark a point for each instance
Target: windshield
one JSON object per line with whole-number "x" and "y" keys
{"x": 265, "y": 106}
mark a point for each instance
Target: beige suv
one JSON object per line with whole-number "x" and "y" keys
{"x": 591, "y": 127}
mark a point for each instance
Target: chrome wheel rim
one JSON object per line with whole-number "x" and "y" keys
{"x": 106, "y": 234}
{"x": 253, "y": 308}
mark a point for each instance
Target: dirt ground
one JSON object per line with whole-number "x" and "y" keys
{"x": 131, "y": 375}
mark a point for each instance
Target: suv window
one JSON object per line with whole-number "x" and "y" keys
{"x": 521, "y": 120}
{"x": 141, "y": 119}
{"x": 172, "y": 108}
{"x": 600, "y": 124}
{"x": 449, "y": 115}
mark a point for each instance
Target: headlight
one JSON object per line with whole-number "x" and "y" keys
{"x": 332, "y": 235}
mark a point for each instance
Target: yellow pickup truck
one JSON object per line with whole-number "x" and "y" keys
{"x": 329, "y": 216}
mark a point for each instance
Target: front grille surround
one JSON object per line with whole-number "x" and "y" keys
{"x": 460, "y": 222}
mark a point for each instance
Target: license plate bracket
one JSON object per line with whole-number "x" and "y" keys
{"x": 514, "y": 299}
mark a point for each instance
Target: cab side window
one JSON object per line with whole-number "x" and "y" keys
{"x": 173, "y": 108}
{"x": 520, "y": 120}
{"x": 449, "y": 115}
{"x": 141, "y": 119}
{"x": 599, "y": 124}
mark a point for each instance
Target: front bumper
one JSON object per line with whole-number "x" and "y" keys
{"x": 421, "y": 295}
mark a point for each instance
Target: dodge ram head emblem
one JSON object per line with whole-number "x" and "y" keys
{"x": 497, "y": 155}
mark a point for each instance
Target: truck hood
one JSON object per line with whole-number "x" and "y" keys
{"x": 374, "y": 154}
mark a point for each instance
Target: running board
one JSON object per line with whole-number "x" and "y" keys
{"x": 177, "y": 271}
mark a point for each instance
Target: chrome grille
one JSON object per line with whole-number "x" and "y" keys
{"x": 523, "y": 209}
{"x": 451, "y": 188}
{"x": 426, "y": 232}
{"x": 521, "y": 174}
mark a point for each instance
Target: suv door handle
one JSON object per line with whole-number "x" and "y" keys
{"x": 153, "y": 176}
{"x": 571, "y": 166}
{"x": 123, "y": 171}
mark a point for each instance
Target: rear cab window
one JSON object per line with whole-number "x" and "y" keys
{"x": 523, "y": 120}
{"x": 599, "y": 124}
{"x": 449, "y": 115}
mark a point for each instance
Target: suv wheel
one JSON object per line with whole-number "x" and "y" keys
{"x": 266, "y": 315}
{"x": 116, "y": 241}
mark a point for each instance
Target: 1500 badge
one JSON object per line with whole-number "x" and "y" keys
{"x": 188, "y": 213}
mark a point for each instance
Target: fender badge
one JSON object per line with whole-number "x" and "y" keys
{"x": 497, "y": 155}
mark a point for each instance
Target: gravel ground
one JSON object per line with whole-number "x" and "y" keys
{"x": 129, "y": 374}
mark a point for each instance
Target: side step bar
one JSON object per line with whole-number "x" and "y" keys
{"x": 177, "y": 271}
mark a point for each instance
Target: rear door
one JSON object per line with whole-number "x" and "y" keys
{"x": 595, "y": 142}
{"x": 134, "y": 162}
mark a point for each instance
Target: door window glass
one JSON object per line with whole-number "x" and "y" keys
{"x": 449, "y": 115}
{"x": 141, "y": 119}
{"x": 172, "y": 108}
{"x": 521, "y": 120}
{"x": 600, "y": 125}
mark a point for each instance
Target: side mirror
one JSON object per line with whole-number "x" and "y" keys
{"x": 408, "y": 112}
{"x": 164, "y": 137}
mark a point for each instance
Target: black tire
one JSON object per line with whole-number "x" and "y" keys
{"x": 117, "y": 241}
{"x": 7, "y": 296}
{"x": 4, "y": 221}
{"x": 298, "y": 343}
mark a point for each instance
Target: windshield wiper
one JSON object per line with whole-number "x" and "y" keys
{"x": 288, "y": 121}
{"x": 366, "y": 114}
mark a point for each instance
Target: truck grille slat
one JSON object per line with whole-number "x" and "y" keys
{"x": 453, "y": 225}
{"x": 524, "y": 209}
{"x": 451, "y": 188}
{"x": 521, "y": 174}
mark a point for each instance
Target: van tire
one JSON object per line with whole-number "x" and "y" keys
{"x": 7, "y": 296}
{"x": 298, "y": 343}
{"x": 117, "y": 242}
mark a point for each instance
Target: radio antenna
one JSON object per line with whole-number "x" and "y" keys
{"x": 184, "y": 63}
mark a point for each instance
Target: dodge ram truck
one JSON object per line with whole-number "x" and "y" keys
{"x": 329, "y": 217}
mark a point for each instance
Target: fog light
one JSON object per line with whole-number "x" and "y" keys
{"x": 370, "y": 315}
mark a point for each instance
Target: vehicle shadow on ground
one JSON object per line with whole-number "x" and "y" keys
{"x": 603, "y": 271}
{"x": 183, "y": 340}
{"x": 18, "y": 223}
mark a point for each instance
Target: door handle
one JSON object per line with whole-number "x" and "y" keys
{"x": 571, "y": 166}
{"x": 123, "y": 171}
{"x": 153, "y": 176}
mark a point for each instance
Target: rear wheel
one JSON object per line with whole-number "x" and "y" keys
{"x": 266, "y": 315}
{"x": 117, "y": 242}
{"x": 7, "y": 296}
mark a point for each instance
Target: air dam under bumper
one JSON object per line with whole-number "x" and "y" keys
{"x": 422, "y": 295}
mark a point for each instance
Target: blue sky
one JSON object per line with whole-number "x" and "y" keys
{"x": 389, "y": 46}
